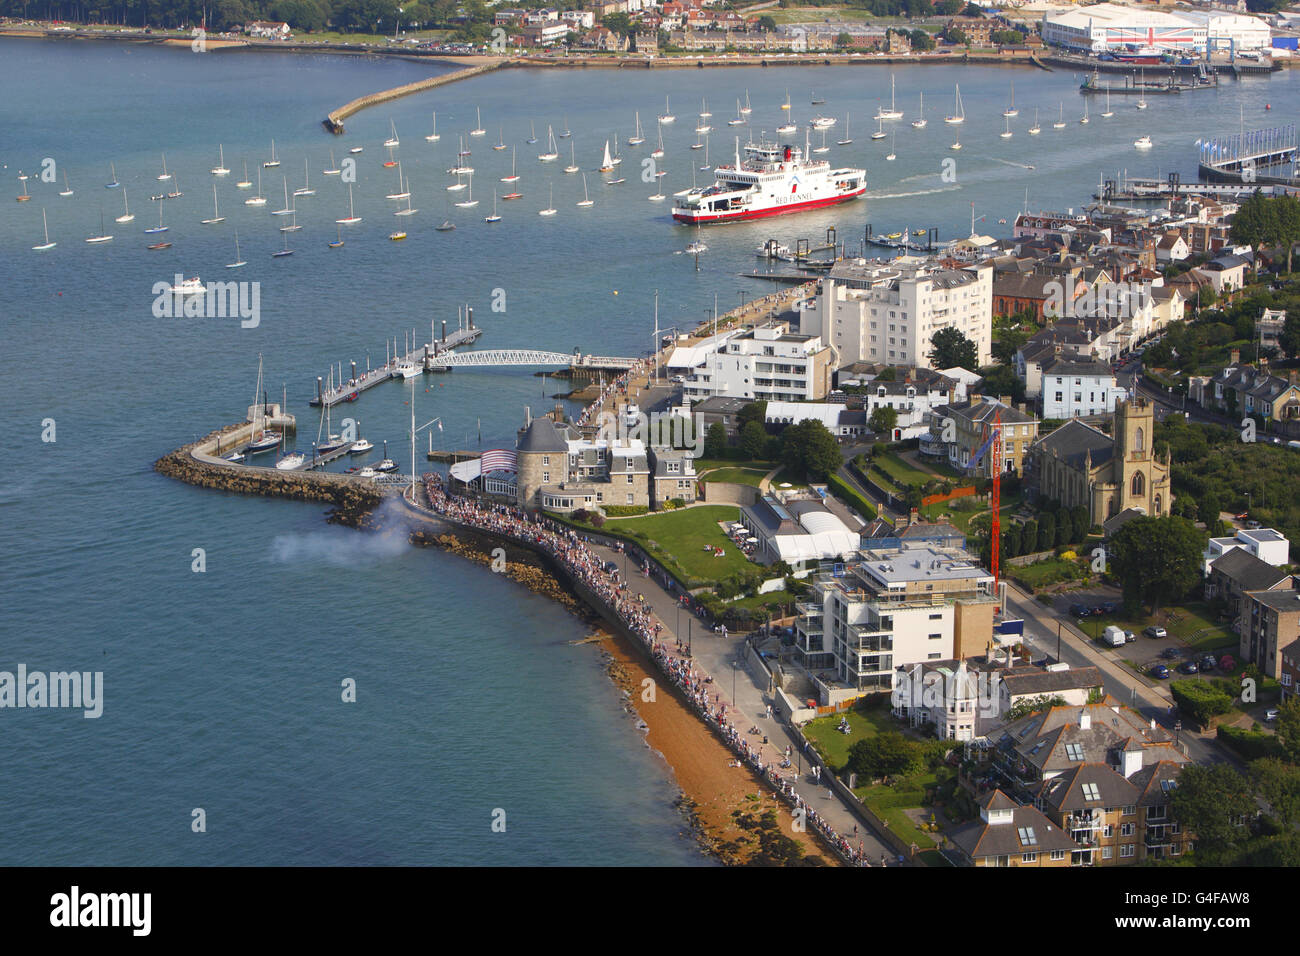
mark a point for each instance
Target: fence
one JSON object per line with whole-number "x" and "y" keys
{"x": 955, "y": 493}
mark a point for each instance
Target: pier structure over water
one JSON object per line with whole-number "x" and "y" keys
{"x": 498, "y": 357}
{"x": 1251, "y": 156}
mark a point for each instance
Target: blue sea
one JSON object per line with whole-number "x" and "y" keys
{"x": 222, "y": 689}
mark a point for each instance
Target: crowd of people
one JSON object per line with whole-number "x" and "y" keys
{"x": 572, "y": 551}
{"x": 613, "y": 388}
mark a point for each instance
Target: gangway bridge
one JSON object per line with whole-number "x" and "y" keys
{"x": 1251, "y": 156}
{"x": 502, "y": 357}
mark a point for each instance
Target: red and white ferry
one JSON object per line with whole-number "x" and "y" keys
{"x": 771, "y": 181}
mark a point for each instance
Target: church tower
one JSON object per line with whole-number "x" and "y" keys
{"x": 1142, "y": 479}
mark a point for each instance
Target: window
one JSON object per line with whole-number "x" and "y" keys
{"x": 936, "y": 617}
{"x": 1089, "y": 789}
{"x": 1107, "y": 852}
{"x": 1138, "y": 484}
{"x": 546, "y": 459}
{"x": 1108, "y": 830}
{"x": 1075, "y": 752}
{"x": 1126, "y": 829}
{"x": 1127, "y": 851}
{"x": 1138, "y": 439}
{"x": 546, "y": 477}
{"x": 629, "y": 497}
{"x": 1129, "y": 811}
{"x": 1057, "y": 855}
{"x": 936, "y": 637}
{"x": 1027, "y": 836}
{"x": 1029, "y": 858}
{"x": 629, "y": 479}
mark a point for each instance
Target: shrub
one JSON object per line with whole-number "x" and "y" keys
{"x": 597, "y": 520}
{"x": 1250, "y": 744}
{"x": 625, "y": 511}
{"x": 1200, "y": 700}
{"x": 582, "y": 514}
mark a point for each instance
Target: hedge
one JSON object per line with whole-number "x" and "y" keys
{"x": 624, "y": 511}
{"x": 851, "y": 496}
{"x": 1200, "y": 700}
{"x": 1250, "y": 744}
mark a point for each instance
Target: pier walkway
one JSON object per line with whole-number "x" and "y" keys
{"x": 1247, "y": 156}
{"x": 334, "y": 121}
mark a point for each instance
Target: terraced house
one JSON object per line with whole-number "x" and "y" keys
{"x": 1008, "y": 834}
{"x": 1245, "y": 390}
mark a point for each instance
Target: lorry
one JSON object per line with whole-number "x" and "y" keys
{"x": 1113, "y": 636}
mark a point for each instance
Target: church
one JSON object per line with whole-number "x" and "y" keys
{"x": 1080, "y": 465}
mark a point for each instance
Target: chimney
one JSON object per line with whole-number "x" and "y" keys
{"x": 1236, "y": 356}
{"x": 1005, "y": 400}
{"x": 1292, "y": 376}
{"x": 528, "y": 416}
{"x": 913, "y": 517}
{"x": 1085, "y": 721}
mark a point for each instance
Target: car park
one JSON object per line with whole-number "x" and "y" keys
{"x": 1155, "y": 631}
{"x": 1188, "y": 667}
{"x": 1106, "y": 607}
{"x": 1159, "y": 671}
{"x": 1208, "y": 663}
{"x": 1169, "y": 653}
{"x": 1129, "y": 637}
{"x": 1080, "y": 610}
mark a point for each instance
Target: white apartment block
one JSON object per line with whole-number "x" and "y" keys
{"x": 1270, "y": 546}
{"x": 768, "y": 362}
{"x": 887, "y": 312}
{"x": 1079, "y": 390}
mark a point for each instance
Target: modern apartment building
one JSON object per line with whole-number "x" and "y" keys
{"x": 769, "y": 362}
{"x": 889, "y": 608}
{"x": 888, "y": 312}
{"x": 1269, "y": 626}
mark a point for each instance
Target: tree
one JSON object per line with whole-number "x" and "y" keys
{"x": 884, "y": 754}
{"x": 1029, "y": 537}
{"x": 949, "y": 348}
{"x": 1046, "y": 531}
{"x": 920, "y": 40}
{"x": 956, "y": 36}
{"x": 753, "y": 438}
{"x": 767, "y": 24}
{"x": 1200, "y": 700}
{"x": 1156, "y": 559}
{"x": 715, "y": 441}
{"x": 753, "y": 412}
{"x": 1007, "y": 37}
{"x": 810, "y": 449}
{"x": 1033, "y": 705}
{"x": 1279, "y": 784}
{"x": 1002, "y": 380}
{"x": 1290, "y": 337}
{"x": 844, "y": 40}
{"x": 883, "y": 419}
{"x": 1011, "y": 538}
{"x": 1206, "y": 802}
{"x": 1209, "y": 508}
{"x": 1288, "y": 728}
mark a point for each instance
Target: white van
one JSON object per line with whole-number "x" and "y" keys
{"x": 1114, "y": 636}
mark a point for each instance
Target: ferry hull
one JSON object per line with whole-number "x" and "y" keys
{"x": 708, "y": 219}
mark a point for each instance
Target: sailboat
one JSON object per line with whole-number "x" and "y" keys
{"x": 636, "y": 139}
{"x": 1035, "y": 129}
{"x": 1109, "y": 112}
{"x": 550, "y": 207}
{"x": 287, "y": 208}
{"x": 164, "y": 175}
{"x": 259, "y": 199}
{"x": 552, "y": 151}
{"x": 176, "y": 189}
{"x": 1011, "y": 110}
{"x": 293, "y": 225}
{"x": 586, "y": 199}
{"x": 114, "y": 184}
{"x": 332, "y": 442}
{"x": 47, "y": 244}
{"x": 390, "y": 162}
{"x": 514, "y": 176}
{"x": 739, "y": 120}
{"x": 126, "y": 210}
{"x": 880, "y": 128}
{"x": 352, "y": 217}
{"x": 532, "y": 133}
{"x": 704, "y": 109}
{"x": 238, "y": 261}
{"x": 659, "y": 194}
{"x": 478, "y": 129}
{"x": 891, "y": 156}
{"x": 704, "y": 127}
{"x": 1142, "y": 98}
{"x": 402, "y": 192}
{"x": 24, "y": 197}
{"x": 1006, "y": 134}
{"x": 408, "y": 211}
{"x": 494, "y": 217}
{"x": 67, "y": 190}
{"x": 1060, "y": 121}
{"x": 160, "y": 227}
{"x": 470, "y": 202}
{"x": 658, "y": 151}
{"x": 959, "y": 114}
{"x": 305, "y": 189}
{"x": 286, "y": 251}
{"x": 260, "y": 439}
{"x": 216, "y": 216}
{"x": 786, "y": 104}
{"x": 823, "y": 148}
{"x": 290, "y": 461}
{"x": 746, "y": 109}
{"x": 607, "y": 163}
{"x": 846, "y": 141}
{"x": 667, "y": 116}
{"x": 333, "y": 170}
{"x": 573, "y": 162}
{"x": 892, "y": 112}
{"x": 617, "y": 160}
{"x": 566, "y": 132}
{"x": 1084, "y": 120}
{"x": 337, "y": 243}
{"x": 956, "y": 142}
{"x": 272, "y": 162}
{"x": 434, "y": 137}
{"x": 245, "y": 183}
{"x": 919, "y": 122}
{"x": 786, "y": 129}
{"x": 707, "y": 164}
{"x": 393, "y": 142}
{"x": 501, "y": 139}
{"x": 220, "y": 169}
{"x": 103, "y": 234}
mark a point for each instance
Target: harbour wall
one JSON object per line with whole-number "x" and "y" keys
{"x": 334, "y": 121}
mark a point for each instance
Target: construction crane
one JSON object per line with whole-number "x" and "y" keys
{"x": 994, "y": 444}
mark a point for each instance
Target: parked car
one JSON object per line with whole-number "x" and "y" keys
{"x": 1188, "y": 667}
{"x": 1129, "y": 637}
{"x": 1169, "y": 653}
{"x": 1159, "y": 671}
{"x": 1080, "y": 610}
{"x": 1208, "y": 663}
{"x": 1106, "y": 607}
{"x": 1154, "y": 631}
{"x": 1271, "y": 716}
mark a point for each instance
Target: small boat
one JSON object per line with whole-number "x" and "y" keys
{"x": 387, "y": 464}
{"x": 160, "y": 227}
{"x": 1143, "y": 142}
{"x": 815, "y": 100}
{"x": 220, "y": 169}
{"x": 390, "y": 162}
{"x": 550, "y": 208}
{"x": 1142, "y": 98}
{"x": 352, "y": 217}
{"x": 164, "y": 175}
{"x": 272, "y": 162}
{"x": 478, "y": 129}
{"x": 607, "y": 162}
{"x": 402, "y": 192}
{"x": 397, "y": 236}
{"x": 573, "y": 162}
{"x": 126, "y": 210}
{"x": 337, "y": 243}
{"x": 667, "y": 116}
{"x": 823, "y": 148}
{"x": 1109, "y": 112}
{"x": 514, "y": 176}
{"x": 513, "y": 196}
{"x": 305, "y": 189}
{"x": 494, "y": 217}
{"x": 245, "y": 183}
{"x": 552, "y": 151}
{"x": 1084, "y": 121}
{"x": 880, "y": 129}
{"x": 1006, "y": 133}
{"x": 176, "y": 189}
{"x": 746, "y": 109}
{"x": 281, "y": 253}
{"x": 846, "y": 141}
{"x": 293, "y": 225}
{"x": 1035, "y": 129}
{"x": 46, "y": 244}
{"x": 891, "y": 156}
{"x": 532, "y": 133}
{"x": 159, "y": 245}
{"x": 434, "y": 137}
{"x": 25, "y": 196}
{"x": 114, "y": 184}
{"x": 1011, "y": 110}
{"x": 259, "y": 199}
{"x": 586, "y": 199}
{"x": 919, "y": 122}
{"x": 238, "y": 263}
{"x": 565, "y": 133}
{"x": 469, "y": 202}
{"x": 216, "y": 215}
{"x": 393, "y": 142}
{"x": 287, "y": 208}
{"x": 333, "y": 170}
{"x": 103, "y": 236}
{"x": 361, "y": 445}
{"x": 408, "y": 211}
{"x": 956, "y": 143}
{"x": 192, "y": 286}
{"x": 959, "y": 114}
{"x": 501, "y": 142}
{"x": 356, "y": 149}
{"x": 1060, "y": 121}
{"x": 740, "y": 119}
{"x": 658, "y": 151}
{"x": 291, "y": 462}
{"x": 446, "y": 226}
{"x": 67, "y": 190}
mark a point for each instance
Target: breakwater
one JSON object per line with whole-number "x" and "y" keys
{"x": 334, "y": 121}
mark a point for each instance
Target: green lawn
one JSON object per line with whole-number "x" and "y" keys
{"x": 738, "y": 476}
{"x": 1042, "y": 573}
{"x": 763, "y": 600}
{"x": 684, "y": 533}
{"x": 1191, "y": 624}
{"x": 833, "y": 745}
{"x": 900, "y": 471}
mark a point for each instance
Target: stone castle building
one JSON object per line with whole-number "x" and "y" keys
{"x": 1080, "y": 465}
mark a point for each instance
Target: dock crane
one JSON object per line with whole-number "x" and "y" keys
{"x": 994, "y": 444}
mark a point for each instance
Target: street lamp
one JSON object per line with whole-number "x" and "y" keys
{"x": 734, "y": 668}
